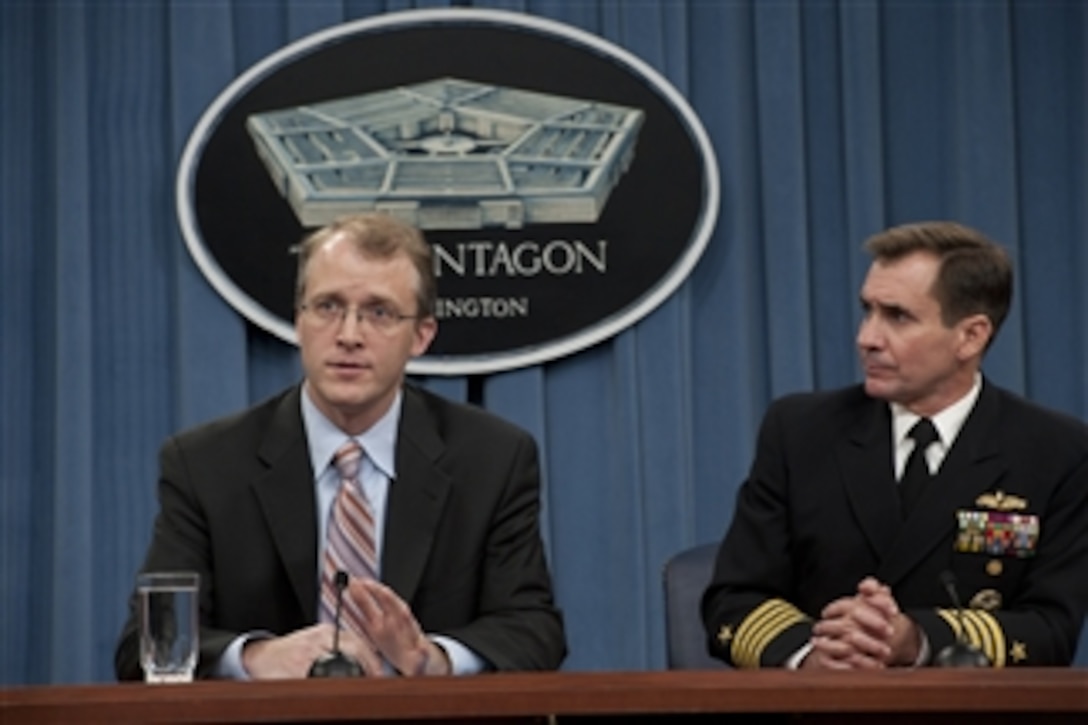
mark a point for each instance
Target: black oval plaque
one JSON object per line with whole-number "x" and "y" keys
{"x": 566, "y": 187}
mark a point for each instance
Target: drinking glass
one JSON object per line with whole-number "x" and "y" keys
{"x": 169, "y": 630}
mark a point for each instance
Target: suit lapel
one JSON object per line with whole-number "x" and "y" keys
{"x": 865, "y": 457}
{"x": 973, "y": 465}
{"x": 416, "y": 498}
{"x": 287, "y": 498}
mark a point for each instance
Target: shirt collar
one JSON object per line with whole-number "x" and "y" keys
{"x": 948, "y": 422}
{"x": 324, "y": 438}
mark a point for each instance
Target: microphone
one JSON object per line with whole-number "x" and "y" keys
{"x": 336, "y": 663}
{"x": 960, "y": 653}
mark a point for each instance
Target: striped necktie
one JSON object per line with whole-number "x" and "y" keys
{"x": 349, "y": 543}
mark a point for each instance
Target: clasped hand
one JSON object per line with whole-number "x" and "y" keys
{"x": 391, "y": 633}
{"x": 865, "y": 631}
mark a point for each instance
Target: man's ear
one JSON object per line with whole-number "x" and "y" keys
{"x": 425, "y": 330}
{"x": 975, "y": 333}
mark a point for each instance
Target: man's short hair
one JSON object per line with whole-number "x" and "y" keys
{"x": 376, "y": 236}
{"x": 975, "y": 276}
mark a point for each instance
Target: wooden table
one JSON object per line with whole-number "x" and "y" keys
{"x": 894, "y": 696}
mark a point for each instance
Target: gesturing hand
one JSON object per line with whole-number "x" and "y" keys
{"x": 391, "y": 626}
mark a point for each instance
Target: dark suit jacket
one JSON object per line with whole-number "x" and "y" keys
{"x": 462, "y": 542}
{"x": 820, "y": 511}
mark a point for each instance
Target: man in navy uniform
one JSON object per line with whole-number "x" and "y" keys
{"x": 864, "y": 505}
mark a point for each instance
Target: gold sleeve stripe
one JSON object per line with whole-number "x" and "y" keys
{"x": 995, "y": 640}
{"x": 981, "y": 629}
{"x": 762, "y": 625}
{"x": 768, "y": 627}
{"x": 951, "y": 621}
{"x": 980, "y": 632}
{"x": 950, "y": 618}
{"x": 749, "y": 629}
{"x": 977, "y": 633}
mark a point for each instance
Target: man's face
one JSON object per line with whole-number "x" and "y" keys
{"x": 908, "y": 354}
{"x": 354, "y": 368}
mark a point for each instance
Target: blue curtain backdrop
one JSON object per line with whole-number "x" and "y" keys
{"x": 831, "y": 120}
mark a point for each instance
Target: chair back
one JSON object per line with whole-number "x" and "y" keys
{"x": 685, "y": 577}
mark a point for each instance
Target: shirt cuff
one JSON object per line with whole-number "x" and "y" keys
{"x": 229, "y": 666}
{"x": 795, "y": 659}
{"x": 463, "y": 661}
{"x": 923, "y": 650}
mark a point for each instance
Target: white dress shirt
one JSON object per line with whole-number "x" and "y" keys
{"x": 948, "y": 423}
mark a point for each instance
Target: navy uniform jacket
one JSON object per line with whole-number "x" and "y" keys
{"x": 820, "y": 511}
{"x": 462, "y": 544}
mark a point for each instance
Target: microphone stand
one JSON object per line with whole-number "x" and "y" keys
{"x": 960, "y": 653}
{"x": 336, "y": 663}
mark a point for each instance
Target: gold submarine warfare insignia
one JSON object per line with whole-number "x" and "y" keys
{"x": 1001, "y": 501}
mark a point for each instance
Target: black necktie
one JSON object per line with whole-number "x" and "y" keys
{"x": 916, "y": 474}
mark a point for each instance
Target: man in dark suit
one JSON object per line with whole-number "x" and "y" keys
{"x": 844, "y": 540}
{"x": 451, "y": 492}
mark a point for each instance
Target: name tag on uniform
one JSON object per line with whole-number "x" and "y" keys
{"x": 997, "y": 533}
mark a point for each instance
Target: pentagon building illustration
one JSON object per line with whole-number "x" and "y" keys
{"x": 449, "y": 154}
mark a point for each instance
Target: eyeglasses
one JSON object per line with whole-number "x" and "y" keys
{"x": 329, "y": 310}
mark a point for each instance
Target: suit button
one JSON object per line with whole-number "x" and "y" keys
{"x": 994, "y": 567}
